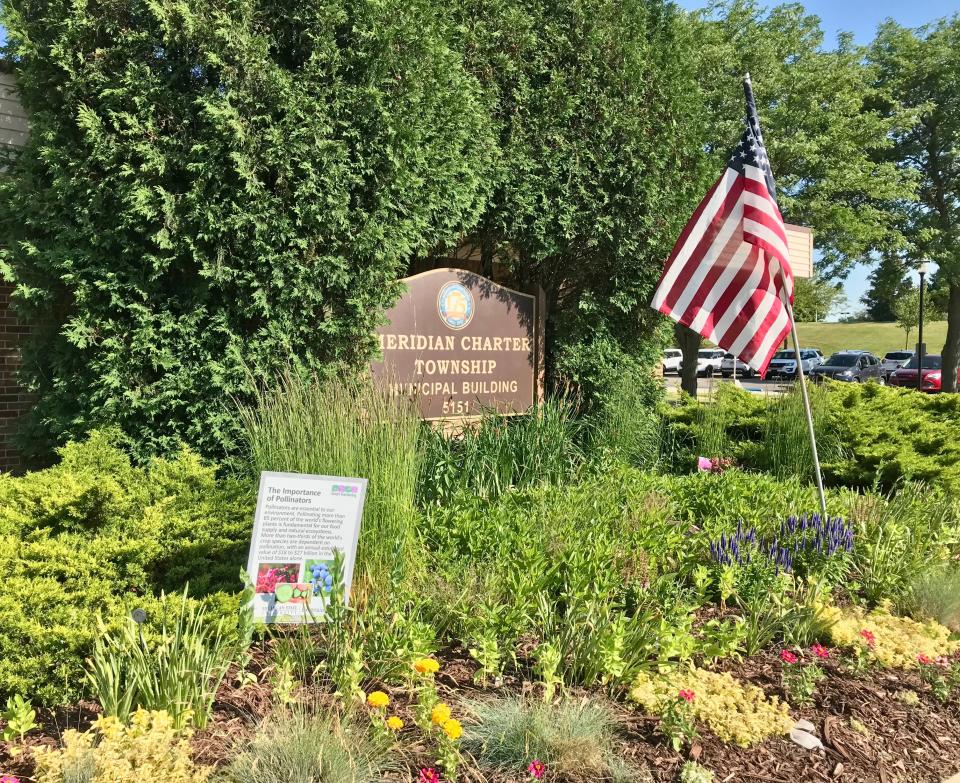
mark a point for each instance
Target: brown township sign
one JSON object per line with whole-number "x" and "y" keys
{"x": 459, "y": 343}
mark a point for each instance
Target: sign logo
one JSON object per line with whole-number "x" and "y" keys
{"x": 455, "y": 305}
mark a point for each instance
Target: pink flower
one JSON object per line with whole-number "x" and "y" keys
{"x": 924, "y": 660}
{"x": 787, "y": 657}
{"x": 869, "y": 639}
{"x": 820, "y": 651}
{"x": 429, "y": 775}
{"x": 536, "y": 769}
{"x": 9, "y": 779}
{"x": 687, "y": 695}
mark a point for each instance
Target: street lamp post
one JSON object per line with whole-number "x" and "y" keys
{"x": 920, "y": 346}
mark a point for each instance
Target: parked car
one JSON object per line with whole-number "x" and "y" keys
{"x": 850, "y": 367}
{"x": 932, "y": 375}
{"x": 671, "y": 360}
{"x": 894, "y": 360}
{"x": 784, "y": 363}
{"x": 726, "y": 367}
{"x": 708, "y": 361}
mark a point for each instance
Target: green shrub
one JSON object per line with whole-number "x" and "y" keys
{"x": 95, "y": 535}
{"x": 869, "y": 437}
{"x": 299, "y": 746}
{"x": 498, "y": 453}
{"x": 344, "y": 428}
{"x": 573, "y": 739}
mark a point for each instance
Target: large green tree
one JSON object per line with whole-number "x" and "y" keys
{"x": 888, "y": 283}
{"x": 821, "y": 129}
{"x": 601, "y": 131}
{"x": 214, "y": 189}
{"x": 919, "y": 71}
{"x": 814, "y": 298}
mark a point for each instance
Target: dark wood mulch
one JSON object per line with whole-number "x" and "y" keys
{"x": 883, "y": 727}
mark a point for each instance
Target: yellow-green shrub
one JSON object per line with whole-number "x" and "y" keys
{"x": 149, "y": 749}
{"x": 897, "y": 640}
{"x": 735, "y": 712}
{"x": 97, "y": 535}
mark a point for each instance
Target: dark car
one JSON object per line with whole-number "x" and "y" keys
{"x": 850, "y": 367}
{"x": 932, "y": 376}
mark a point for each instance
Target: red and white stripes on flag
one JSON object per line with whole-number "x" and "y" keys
{"x": 729, "y": 272}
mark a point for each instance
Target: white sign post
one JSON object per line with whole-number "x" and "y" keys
{"x": 301, "y": 521}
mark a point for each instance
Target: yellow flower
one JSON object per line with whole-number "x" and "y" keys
{"x": 440, "y": 714}
{"x": 426, "y": 666}
{"x": 378, "y": 699}
{"x": 393, "y": 722}
{"x": 452, "y": 728}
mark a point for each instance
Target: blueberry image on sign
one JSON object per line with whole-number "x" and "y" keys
{"x": 320, "y": 574}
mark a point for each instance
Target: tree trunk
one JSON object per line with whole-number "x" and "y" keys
{"x": 951, "y": 348}
{"x": 689, "y": 343}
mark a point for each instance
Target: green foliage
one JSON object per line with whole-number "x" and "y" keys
{"x": 596, "y": 109}
{"x": 814, "y": 298}
{"x": 345, "y": 428}
{"x": 96, "y": 535}
{"x": 900, "y": 538}
{"x": 906, "y": 309}
{"x": 178, "y": 671}
{"x": 918, "y": 72}
{"x": 211, "y": 187}
{"x": 499, "y": 453}
{"x": 298, "y": 745}
{"x": 815, "y": 100}
{"x": 19, "y": 717}
{"x": 571, "y": 738}
{"x": 868, "y": 436}
{"x": 692, "y": 772}
{"x": 934, "y": 594}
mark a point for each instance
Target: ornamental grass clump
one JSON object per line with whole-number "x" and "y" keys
{"x": 735, "y": 712}
{"x": 298, "y": 745}
{"x": 573, "y": 739}
{"x": 345, "y": 428}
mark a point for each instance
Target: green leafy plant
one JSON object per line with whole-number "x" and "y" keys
{"x": 548, "y": 660}
{"x": 692, "y": 772}
{"x": 676, "y": 720}
{"x": 934, "y": 594}
{"x": 799, "y": 677}
{"x": 179, "y": 670}
{"x": 19, "y": 717}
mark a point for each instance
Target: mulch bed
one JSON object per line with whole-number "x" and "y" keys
{"x": 884, "y": 727}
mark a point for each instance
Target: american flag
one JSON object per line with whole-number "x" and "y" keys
{"x": 728, "y": 277}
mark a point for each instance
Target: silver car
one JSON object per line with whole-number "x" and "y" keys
{"x": 894, "y": 360}
{"x": 784, "y": 363}
{"x": 726, "y": 367}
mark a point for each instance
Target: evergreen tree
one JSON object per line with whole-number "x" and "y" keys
{"x": 217, "y": 189}
{"x": 887, "y": 284}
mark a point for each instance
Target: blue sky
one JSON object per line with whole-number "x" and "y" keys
{"x": 861, "y": 19}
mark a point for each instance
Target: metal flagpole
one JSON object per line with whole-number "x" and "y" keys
{"x": 806, "y": 406}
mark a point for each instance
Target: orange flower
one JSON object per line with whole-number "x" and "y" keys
{"x": 426, "y": 666}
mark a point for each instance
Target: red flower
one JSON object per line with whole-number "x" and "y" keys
{"x": 924, "y": 660}
{"x": 869, "y": 639}
{"x": 429, "y": 775}
{"x": 788, "y": 657}
{"x": 820, "y": 651}
{"x": 687, "y": 695}
{"x": 536, "y": 769}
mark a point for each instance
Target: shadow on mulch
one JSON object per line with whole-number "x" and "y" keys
{"x": 884, "y": 727}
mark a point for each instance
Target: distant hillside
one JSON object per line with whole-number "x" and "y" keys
{"x": 875, "y": 337}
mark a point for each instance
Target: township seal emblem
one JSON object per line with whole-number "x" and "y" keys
{"x": 455, "y": 305}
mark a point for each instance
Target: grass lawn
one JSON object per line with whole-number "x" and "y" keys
{"x": 875, "y": 337}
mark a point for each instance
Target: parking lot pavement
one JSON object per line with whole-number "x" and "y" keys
{"x": 706, "y": 386}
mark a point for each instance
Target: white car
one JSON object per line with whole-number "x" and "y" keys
{"x": 726, "y": 367}
{"x": 708, "y": 361}
{"x": 894, "y": 360}
{"x": 671, "y": 360}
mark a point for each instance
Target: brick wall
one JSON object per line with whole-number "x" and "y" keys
{"x": 14, "y": 401}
